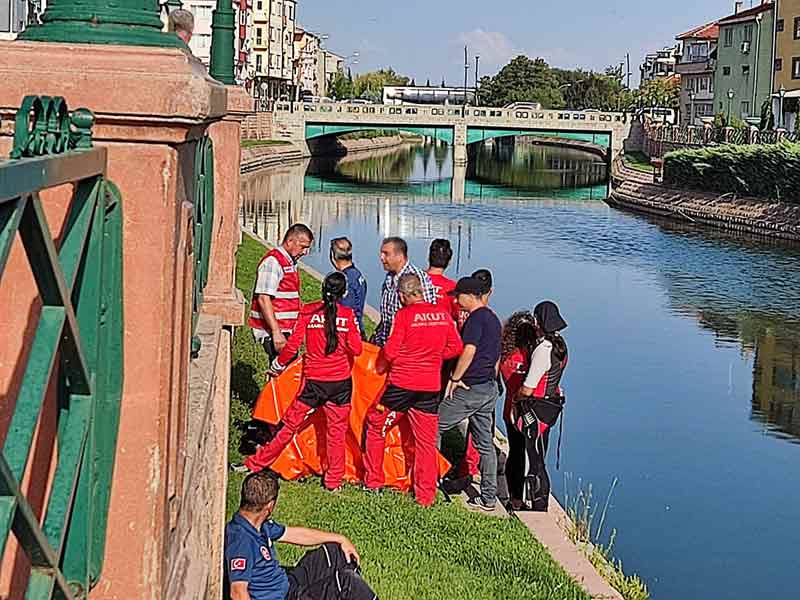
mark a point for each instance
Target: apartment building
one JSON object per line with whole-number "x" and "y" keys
{"x": 744, "y": 68}
{"x": 695, "y": 65}
{"x": 786, "y": 84}
{"x": 307, "y": 55}
{"x": 200, "y": 44}
{"x": 272, "y": 48}
{"x": 16, "y": 14}
{"x": 659, "y": 64}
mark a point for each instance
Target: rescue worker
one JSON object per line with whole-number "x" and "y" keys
{"x": 253, "y": 570}
{"x": 394, "y": 257}
{"x": 423, "y": 336}
{"x": 439, "y": 256}
{"x": 333, "y": 339}
{"x": 518, "y": 342}
{"x": 276, "y": 296}
{"x": 342, "y": 260}
{"x": 541, "y": 400}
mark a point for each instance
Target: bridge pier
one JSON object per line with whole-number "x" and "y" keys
{"x": 459, "y": 185}
{"x": 460, "y": 158}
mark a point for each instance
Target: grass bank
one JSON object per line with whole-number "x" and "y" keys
{"x": 257, "y": 143}
{"x": 638, "y": 161}
{"x": 441, "y": 553}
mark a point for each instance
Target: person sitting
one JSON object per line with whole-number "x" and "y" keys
{"x": 342, "y": 260}
{"x": 518, "y": 342}
{"x": 333, "y": 340}
{"x": 252, "y": 567}
{"x": 541, "y": 399}
{"x": 423, "y": 336}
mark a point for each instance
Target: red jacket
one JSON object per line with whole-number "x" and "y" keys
{"x": 513, "y": 368}
{"x": 442, "y": 285}
{"x": 423, "y": 336}
{"x": 310, "y": 328}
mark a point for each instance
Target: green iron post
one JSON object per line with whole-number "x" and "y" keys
{"x": 127, "y": 22}
{"x": 222, "y": 28}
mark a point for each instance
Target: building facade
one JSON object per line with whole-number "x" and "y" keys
{"x": 659, "y": 64}
{"x": 307, "y": 55}
{"x": 200, "y": 44}
{"x": 786, "y": 85}
{"x": 272, "y": 48}
{"x": 744, "y": 70}
{"x": 695, "y": 66}
{"x": 16, "y": 14}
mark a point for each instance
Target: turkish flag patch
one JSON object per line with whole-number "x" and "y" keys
{"x": 238, "y": 564}
{"x": 265, "y": 553}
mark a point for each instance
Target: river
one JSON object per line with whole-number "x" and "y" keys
{"x": 684, "y": 380}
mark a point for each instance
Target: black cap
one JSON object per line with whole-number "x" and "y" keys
{"x": 469, "y": 285}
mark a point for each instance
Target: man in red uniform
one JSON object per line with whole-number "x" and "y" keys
{"x": 333, "y": 340}
{"x": 422, "y": 337}
{"x": 439, "y": 256}
{"x": 276, "y": 296}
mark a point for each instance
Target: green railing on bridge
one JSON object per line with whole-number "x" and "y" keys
{"x": 203, "y": 227}
{"x": 76, "y": 351}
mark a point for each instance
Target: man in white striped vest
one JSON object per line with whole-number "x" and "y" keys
{"x": 276, "y": 297}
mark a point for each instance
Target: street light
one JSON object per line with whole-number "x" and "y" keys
{"x": 477, "y": 62}
{"x": 692, "y": 96}
{"x": 782, "y": 94}
{"x": 731, "y": 94}
{"x": 466, "y": 75}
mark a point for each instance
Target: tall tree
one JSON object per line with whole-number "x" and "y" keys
{"x": 370, "y": 85}
{"x": 341, "y": 86}
{"x": 664, "y": 92}
{"x": 522, "y": 80}
{"x": 586, "y": 89}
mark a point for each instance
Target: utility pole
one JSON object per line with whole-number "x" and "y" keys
{"x": 466, "y": 74}
{"x": 477, "y": 62}
{"x": 628, "y": 71}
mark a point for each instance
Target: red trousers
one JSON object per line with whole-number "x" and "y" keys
{"x": 425, "y": 428}
{"x": 337, "y": 418}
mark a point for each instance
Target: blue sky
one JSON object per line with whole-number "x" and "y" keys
{"x": 425, "y": 38}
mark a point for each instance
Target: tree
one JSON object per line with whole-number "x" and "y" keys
{"x": 341, "y": 86}
{"x": 664, "y": 92}
{"x": 443, "y": 83}
{"x": 413, "y": 83}
{"x": 370, "y": 85}
{"x": 428, "y": 84}
{"x": 522, "y": 80}
{"x": 586, "y": 89}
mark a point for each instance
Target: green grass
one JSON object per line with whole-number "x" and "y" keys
{"x": 441, "y": 553}
{"x": 254, "y": 143}
{"x": 638, "y": 161}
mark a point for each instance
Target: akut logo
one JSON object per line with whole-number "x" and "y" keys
{"x": 430, "y": 317}
{"x": 319, "y": 320}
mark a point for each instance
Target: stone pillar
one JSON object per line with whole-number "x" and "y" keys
{"x": 152, "y": 105}
{"x": 460, "y": 143}
{"x": 459, "y": 185}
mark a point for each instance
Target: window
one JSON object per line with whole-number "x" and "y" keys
{"x": 726, "y": 71}
{"x": 796, "y": 67}
{"x": 745, "y": 108}
{"x": 258, "y": 36}
{"x": 797, "y": 28}
{"x": 703, "y": 84}
{"x": 779, "y": 25}
{"x": 260, "y": 5}
{"x": 728, "y": 37}
{"x": 748, "y": 33}
{"x": 779, "y": 64}
{"x": 745, "y": 70}
{"x": 258, "y": 63}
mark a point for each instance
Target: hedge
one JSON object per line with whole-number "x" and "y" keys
{"x": 765, "y": 171}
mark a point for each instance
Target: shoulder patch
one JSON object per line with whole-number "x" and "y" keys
{"x": 265, "y": 553}
{"x": 238, "y": 564}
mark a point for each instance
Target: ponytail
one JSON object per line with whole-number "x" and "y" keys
{"x": 333, "y": 289}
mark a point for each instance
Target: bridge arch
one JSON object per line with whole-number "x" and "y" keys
{"x": 445, "y": 134}
{"x": 481, "y": 134}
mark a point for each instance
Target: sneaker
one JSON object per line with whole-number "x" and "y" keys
{"x": 477, "y": 503}
{"x": 238, "y": 468}
{"x": 372, "y": 491}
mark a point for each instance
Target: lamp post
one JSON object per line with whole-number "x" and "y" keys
{"x": 222, "y": 28}
{"x": 782, "y": 95}
{"x": 731, "y": 94}
{"x": 466, "y": 74}
{"x": 477, "y": 62}
{"x": 691, "y": 107}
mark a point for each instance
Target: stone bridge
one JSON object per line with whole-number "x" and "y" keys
{"x": 455, "y": 125}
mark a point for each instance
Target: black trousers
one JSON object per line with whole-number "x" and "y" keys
{"x": 538, "y": 480}
{"x": 325, "y": 574}
{"x": 515, "y": 462}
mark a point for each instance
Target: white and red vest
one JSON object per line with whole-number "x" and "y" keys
{"x": 286, "y": 302}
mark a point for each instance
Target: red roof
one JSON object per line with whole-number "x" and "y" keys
{"x": 709, "y": 31}
{"x": 746, "y": 15}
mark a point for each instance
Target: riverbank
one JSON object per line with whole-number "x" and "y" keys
{"x": 635, "y": 191}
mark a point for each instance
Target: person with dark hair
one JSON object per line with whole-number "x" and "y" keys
{"x": 472, "y": 392}
{"x": 253, "y": 570}
{"x": 439, "y": 256}
{"x": 276, "y": 296}
{"x": 342, "y": 260}
{"x": 333, "y": 339}
{"x": 394, "y": 257}
{"x": 517, "y": 344}
{"x": 541, "y": 399}
{"x": 423, "y": 336}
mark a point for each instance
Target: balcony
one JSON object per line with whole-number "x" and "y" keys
{"x": 696, "y": 66}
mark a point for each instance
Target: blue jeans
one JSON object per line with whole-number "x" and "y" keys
{"x": 476, "y": 404}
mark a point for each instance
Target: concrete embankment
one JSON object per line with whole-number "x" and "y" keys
{"x": 635, "y": 191}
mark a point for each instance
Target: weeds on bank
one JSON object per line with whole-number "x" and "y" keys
{"x": 638, "y": 161}
{"x": 583, "y": 514}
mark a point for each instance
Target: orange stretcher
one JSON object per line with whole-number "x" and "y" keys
{"x": 304, "y": 456}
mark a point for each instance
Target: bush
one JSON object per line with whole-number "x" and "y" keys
{"x": 766, "y": 171}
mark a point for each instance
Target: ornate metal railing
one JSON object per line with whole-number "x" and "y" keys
{"x": 203, "y": 226}
{"x": 76, "y": 351}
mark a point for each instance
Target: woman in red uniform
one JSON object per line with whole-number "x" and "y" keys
{"x": 541, "y": 399}
{"x": 332, "y": 337}
{"x": 518, "y": 342}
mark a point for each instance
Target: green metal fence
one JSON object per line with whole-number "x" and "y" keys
{"x": 203, "y": 226}
{"x": 77, "y": 348}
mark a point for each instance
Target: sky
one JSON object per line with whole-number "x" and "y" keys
{"x": 425, "y": 39}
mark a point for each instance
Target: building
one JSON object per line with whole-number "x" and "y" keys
{"x": 743, "y": 77}
{"x": 200, "y": 44}
{"x": 787, "y": 64}
{"x": 272, "y": 48}
{"x": 695, "y": 66}
{"x": 659, "y": 64}
{"x": 307, "y": 55}
{"x": 16, "y": 14}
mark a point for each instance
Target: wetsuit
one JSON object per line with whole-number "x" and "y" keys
{"x": 423, "y": 336}
{"x": 513, "y": 369}
{"x": 544, "y": 377}
{"x": 328, "y": 384}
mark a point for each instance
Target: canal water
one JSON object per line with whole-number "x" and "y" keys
{"x": 684, "y": 380}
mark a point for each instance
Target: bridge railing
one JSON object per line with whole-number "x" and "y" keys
{"x": 71, "y": 372}
{"x": 451, "y": 112}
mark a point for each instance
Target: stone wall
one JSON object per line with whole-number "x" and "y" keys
{"x": 257, "y": 126}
